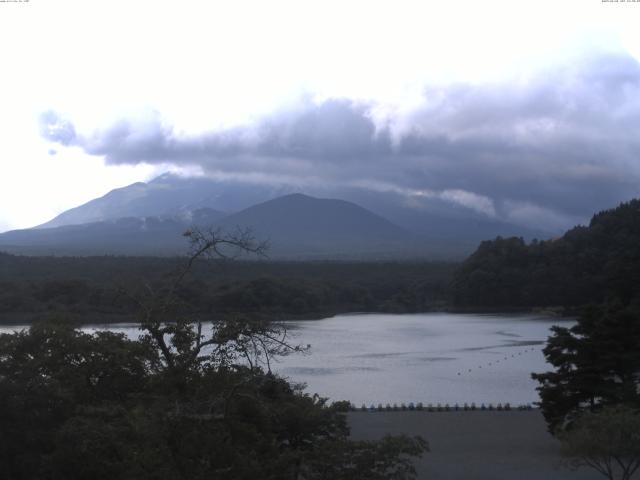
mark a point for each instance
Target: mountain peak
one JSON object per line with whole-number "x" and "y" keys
{"x": 292, "y": 218}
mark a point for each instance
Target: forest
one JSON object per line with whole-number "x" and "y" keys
{"x": 100, "y": 289}
{"x": 588, "y": 264}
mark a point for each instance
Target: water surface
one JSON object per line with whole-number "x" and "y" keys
{"x": 429, "y": 358}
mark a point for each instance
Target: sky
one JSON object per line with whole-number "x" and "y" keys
{"x": 524, "y": 111}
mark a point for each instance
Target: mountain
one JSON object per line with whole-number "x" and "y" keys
{"x": 447, "y": 230}
{"x": 165, "y": 196}
{"x": 297, "y": 226}
{"x": 588, "y": 264}
{"x": 300, "y": 225}
{"x": 123, "y": 236}
{"x": 434, "y": 228}
{"x": 440, "y": 222}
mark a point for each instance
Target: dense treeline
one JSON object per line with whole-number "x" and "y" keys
{"x": 102, "y": 289}
{"x": 591, "y": 264}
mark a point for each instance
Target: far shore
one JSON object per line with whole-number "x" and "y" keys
{"x": 102, "y": 319}
{"x": 476, "y": 445}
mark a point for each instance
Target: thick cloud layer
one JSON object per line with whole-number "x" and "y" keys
{"x": 551, "y": 149}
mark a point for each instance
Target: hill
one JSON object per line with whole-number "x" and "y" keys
{"x": 300, "y": 225}
{"x": 588, "y": 264}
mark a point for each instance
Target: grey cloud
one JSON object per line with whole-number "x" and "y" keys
{"x": 559, "y": 146}
{"x": 57, "y": 129}
{"x": 336, "y": 131}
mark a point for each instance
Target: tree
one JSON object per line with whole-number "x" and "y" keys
{"x": 180, "y": 402}
{"x": 597, "y": 363}
{"x": 587, "y": 264}
{"x": 607, "y": 441}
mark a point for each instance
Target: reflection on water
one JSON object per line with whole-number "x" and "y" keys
{"x": 429, "y": 358}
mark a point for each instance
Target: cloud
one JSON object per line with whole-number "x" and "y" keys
{"x": 551, "y": 148}
{"x": 532, "y": 215}
{"x": 470, "y": 200}
{"x": 57, "y": 129}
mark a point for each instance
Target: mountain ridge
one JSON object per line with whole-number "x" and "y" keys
{"x": 297, "y": 226}
{"x": 437, "y": 229}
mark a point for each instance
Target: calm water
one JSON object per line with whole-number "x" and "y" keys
{"x": 429, "y": 358}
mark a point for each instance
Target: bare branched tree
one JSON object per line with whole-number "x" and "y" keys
{"x": 182, "y": 340}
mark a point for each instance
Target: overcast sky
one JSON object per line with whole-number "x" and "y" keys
{"x": 528, "y": 111}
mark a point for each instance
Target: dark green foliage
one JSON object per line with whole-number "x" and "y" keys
{"x": 100, "y": 289}
{"x": 178, "y": 403}
{"x": 597, "y": 363}
{"x": 80, "y": 406}
{"x": 48, "y": 375}
{"x": 586, "y": 265}
{"x": 607, "y": 441}
{"x": 389, "y": 458}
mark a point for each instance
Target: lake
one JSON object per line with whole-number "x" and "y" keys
{"x": 429, "y": 358}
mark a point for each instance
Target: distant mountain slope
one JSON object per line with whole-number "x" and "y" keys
{"x": 166, "y": 195}
{"x": 438, "y": 220}
{"x": 447, "y": 230}
{"x": 125, "y": 236}
{"x": 298, "y": 224}
{"x": 586, "y": 265}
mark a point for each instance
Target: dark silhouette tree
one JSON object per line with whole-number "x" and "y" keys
{"x": 597, "y": 363}
{"x": 188, "y": 400}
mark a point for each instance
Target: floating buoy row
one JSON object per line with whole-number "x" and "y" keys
{"x": 438, "y": 408}
{"x": 514, "y": 355}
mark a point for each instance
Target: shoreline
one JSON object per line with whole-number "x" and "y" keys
{"x": 27, "y": 318}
